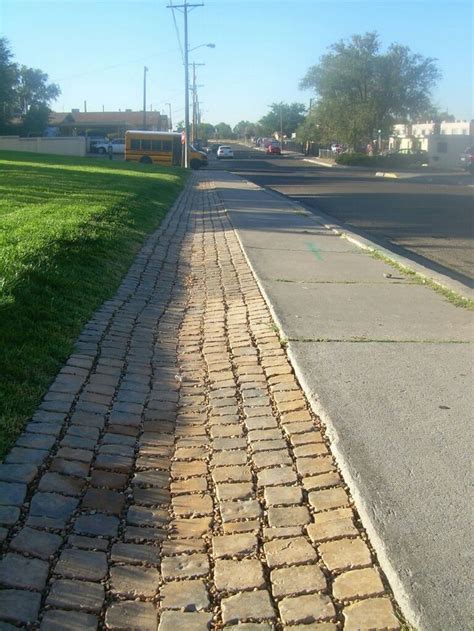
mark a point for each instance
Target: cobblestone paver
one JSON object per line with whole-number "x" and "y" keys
{"x": 174, "y": 476}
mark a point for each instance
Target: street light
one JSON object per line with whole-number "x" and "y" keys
{"x": 202, "y": 46}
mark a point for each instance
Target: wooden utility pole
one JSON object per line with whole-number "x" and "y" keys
{"x": 145, "y": 70}
{"x": 185, "y": 8}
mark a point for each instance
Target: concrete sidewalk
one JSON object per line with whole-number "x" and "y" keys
{"x": 388, "y": 368}
{"x": 174, "y": 477}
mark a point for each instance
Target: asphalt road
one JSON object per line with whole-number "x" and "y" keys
{"x": 430, "y": 222}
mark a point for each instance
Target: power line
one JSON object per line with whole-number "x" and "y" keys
{"x": 177, "y": 31}
{"x": 125, "y": 63}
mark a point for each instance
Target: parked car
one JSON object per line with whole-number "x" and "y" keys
{"x": 467, "y": 159}
{"x": 274, "y": 147}
{"x": 117, "y": 145}
{"x": 336, "y": 148}
{"x": 93, "y": 141}
{"x": 225, "y": 151}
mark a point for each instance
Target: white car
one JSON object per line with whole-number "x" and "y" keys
{"x": 118, "y": 146}
{"x": 224, "y": 151}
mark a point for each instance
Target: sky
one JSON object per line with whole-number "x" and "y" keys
{"x": 96, "y": 49}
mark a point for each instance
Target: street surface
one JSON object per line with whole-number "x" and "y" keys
{"x": 428, "y": 222}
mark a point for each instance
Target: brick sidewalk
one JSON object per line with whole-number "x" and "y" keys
{"x": 174, "y": 477}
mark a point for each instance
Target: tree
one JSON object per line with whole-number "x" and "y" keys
{"x": 34, "y": 89}
{"x": 205, "y": 131}
{"x": 360, "y": 90}
{"x": 282, "y": 115}
{"x": 310, "y": 129}
{"x": 36, "y": 119}
{"x": 24, "y": 91}
{"x": 223, "y": 130}
{"x": 245, "y": 129}
{"x": 8, "y": 83}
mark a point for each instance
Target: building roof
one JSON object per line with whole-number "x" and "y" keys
{"x": 106, "y": 118}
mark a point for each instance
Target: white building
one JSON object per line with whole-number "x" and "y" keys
{"x": 457, "y": 128}
{"x": 443, "y": 142}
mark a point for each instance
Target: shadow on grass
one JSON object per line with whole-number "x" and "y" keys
{"x": 67, "y": 237}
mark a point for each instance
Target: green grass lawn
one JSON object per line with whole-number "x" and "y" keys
{"x": 69, "y": 230}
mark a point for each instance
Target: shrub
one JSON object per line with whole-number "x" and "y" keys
{"x": 390, "y": 161}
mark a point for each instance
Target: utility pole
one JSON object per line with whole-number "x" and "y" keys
{"x": 193, "y": 135}
{"x": 185, "y": 7}
{"x": 170, "y": 124}
{"x": 195, "y": 102}
{"x": 281, "y": 125}
{"x": 198, "y": 104}
{"x": 145, "y": 70}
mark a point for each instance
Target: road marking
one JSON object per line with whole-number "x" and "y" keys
{"x": 314, "y": 250}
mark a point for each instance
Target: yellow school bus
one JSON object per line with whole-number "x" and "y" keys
{"x": 160, "y": 147}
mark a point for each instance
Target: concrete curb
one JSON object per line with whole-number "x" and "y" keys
{"x": 323, "y": 163}
{"x": 383, "y": 174}
{"x": 445, "y": 282}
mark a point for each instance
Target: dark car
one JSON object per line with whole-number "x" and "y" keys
{"x": 467, "y": 159}
{"x": 274, "y": 147}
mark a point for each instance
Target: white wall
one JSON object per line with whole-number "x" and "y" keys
{"x": 65, "y": 146}
{"x": 422, "y": 129}
{"x": 453, "y": 146}
{"x": 461, "y": 128}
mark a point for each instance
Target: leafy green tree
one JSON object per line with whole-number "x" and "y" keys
{"x": 223, "y": 130}
{"x": 286, "y": 116}
{"x": 34, "y": 89}
{"x": 8, "y": 83}
{"x": 36, "y": 119}
{"x": 361, "y": 90}
{"x": 205, "y": 131}
{"x": 245, "y": 129}
{"x": 310, "y": 129}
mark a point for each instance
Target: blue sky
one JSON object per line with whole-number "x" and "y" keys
{"x": 96, "y": 49}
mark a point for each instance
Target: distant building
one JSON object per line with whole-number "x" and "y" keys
{"x": 443, "y": 142}
{"x": 458, "y": 128}
{"x": 76, "y": 123}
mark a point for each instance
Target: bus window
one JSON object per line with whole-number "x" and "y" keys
{"x": 135, "y": 144}
{"x": 146, "y": 145}
{"x": 167, "y": 146}
{"x": 156, "y": 146}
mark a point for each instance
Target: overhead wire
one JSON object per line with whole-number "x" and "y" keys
{"x": 177, "y": 31}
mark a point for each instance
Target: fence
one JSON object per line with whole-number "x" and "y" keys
{"x": 66, "y": 146}
{"x": 308, "y": 148}
{"x": 326, "y": 153}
